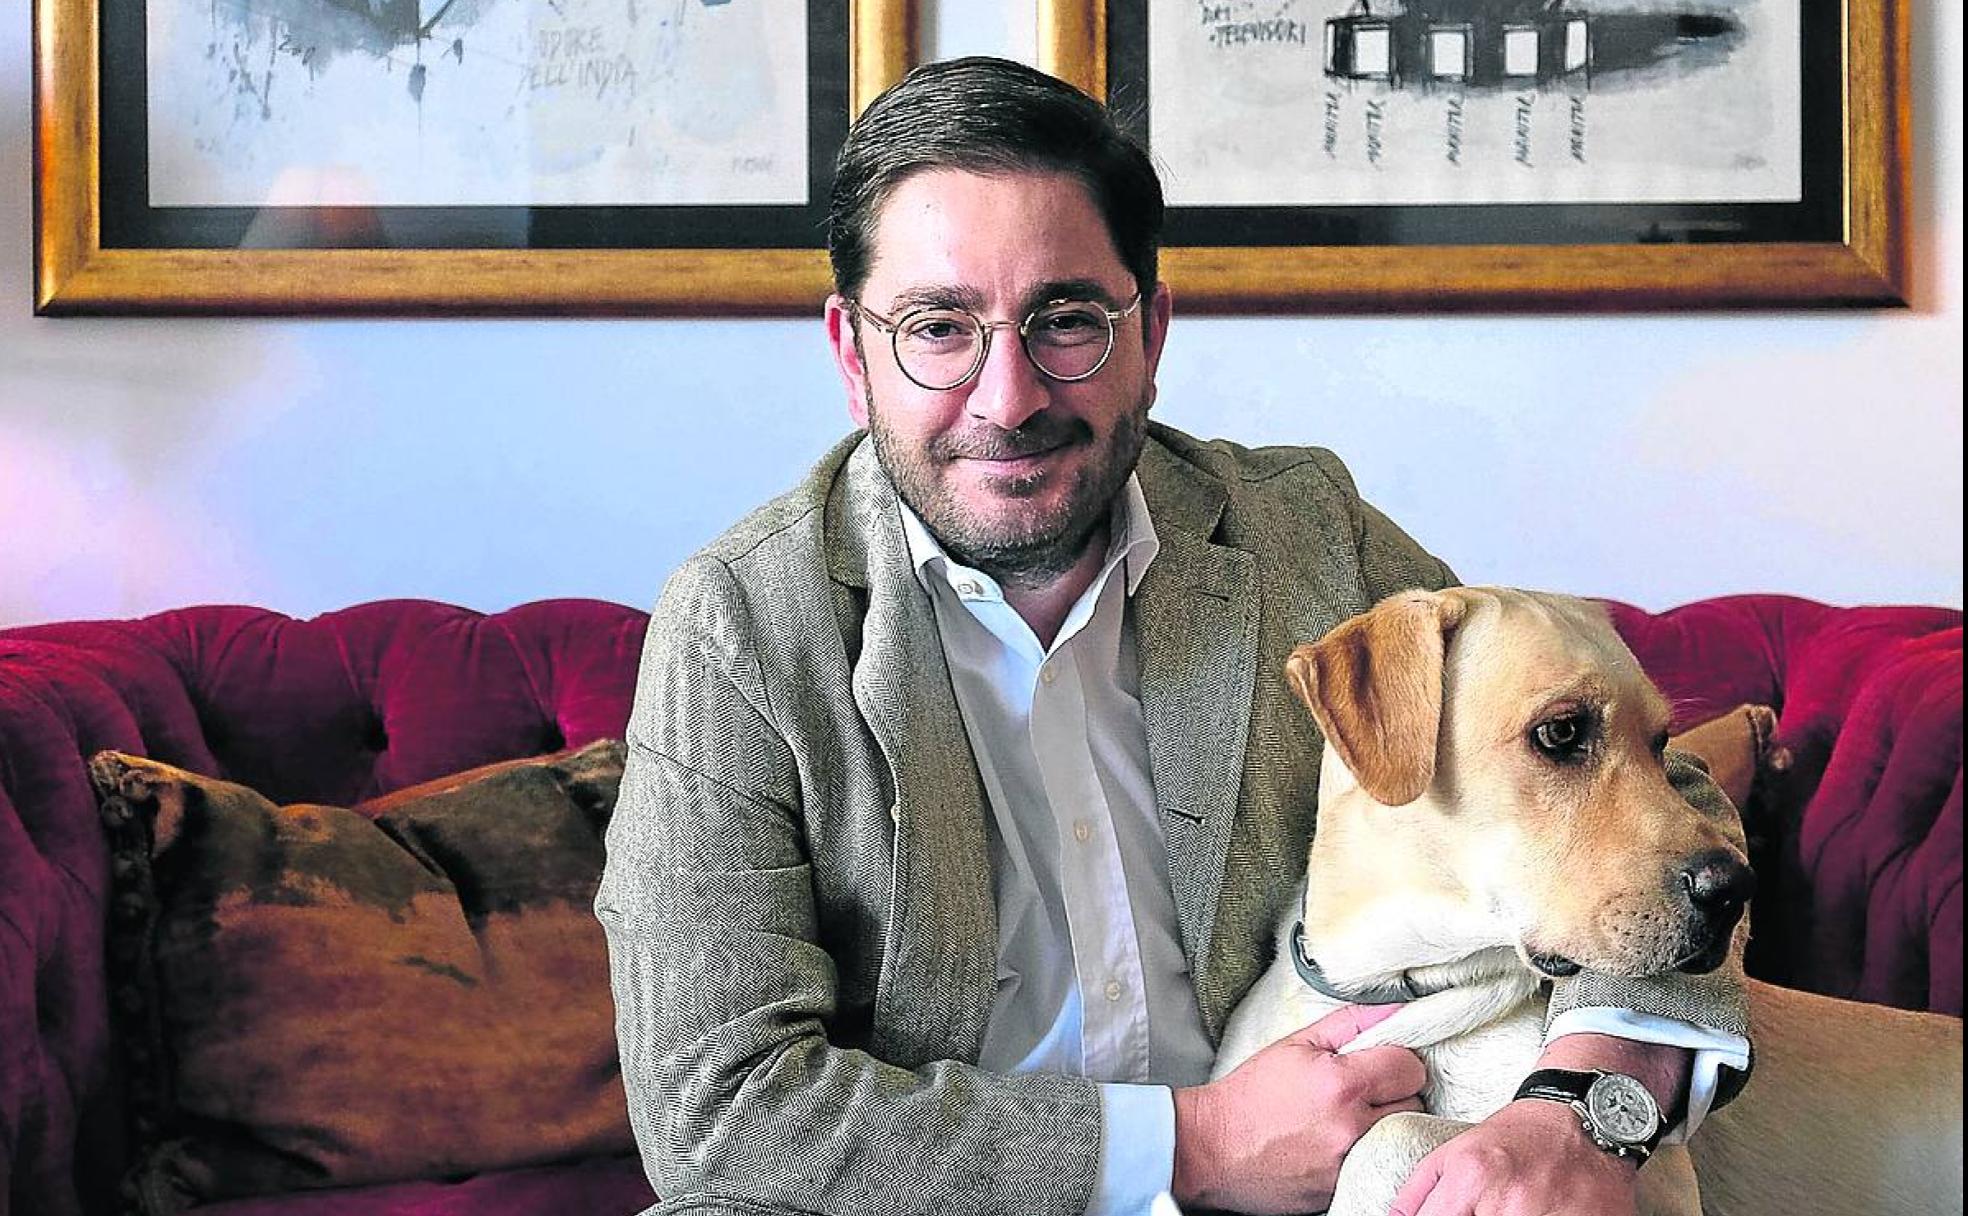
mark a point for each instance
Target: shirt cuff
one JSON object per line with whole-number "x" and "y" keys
{"x": 1137, "y": 1148}
{"x": 1713, "y": 1050}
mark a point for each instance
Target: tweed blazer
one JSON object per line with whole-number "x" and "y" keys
{"x": 798, "y": 897}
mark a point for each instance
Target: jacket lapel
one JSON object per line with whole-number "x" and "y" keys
{"x": 1196, "y": 629}
{"x": 939, "y": 967}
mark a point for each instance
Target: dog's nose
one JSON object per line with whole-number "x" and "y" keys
{"x": 1717, "y": 883}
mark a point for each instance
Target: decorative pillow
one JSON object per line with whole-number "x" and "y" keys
{"x": 313, "y": 996}
{"x": 1737, "y": 749}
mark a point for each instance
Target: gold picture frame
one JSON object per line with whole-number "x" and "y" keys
{"x": 76, "y": 273}
{"x": 1860, "y": 259}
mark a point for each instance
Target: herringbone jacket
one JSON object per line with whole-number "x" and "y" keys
{"x": 798, "y": 895}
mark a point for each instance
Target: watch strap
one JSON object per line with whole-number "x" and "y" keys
{"x": 1557, "y": 1084}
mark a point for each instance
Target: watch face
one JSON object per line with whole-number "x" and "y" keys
{"x": 1622, "y": 1108}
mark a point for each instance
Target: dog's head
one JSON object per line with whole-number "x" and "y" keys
{"x": 1505, "y": 753}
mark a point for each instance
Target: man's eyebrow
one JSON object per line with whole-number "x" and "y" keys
{"x": 936, "y": 296}
{"x": 1069, "y": 289}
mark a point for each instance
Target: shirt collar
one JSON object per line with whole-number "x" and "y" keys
{"x": 1132, "y": 543}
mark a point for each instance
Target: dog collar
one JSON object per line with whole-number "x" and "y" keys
{"x": 1397, "y": 991}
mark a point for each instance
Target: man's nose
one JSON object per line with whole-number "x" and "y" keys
{"x": 1008, "y": 389}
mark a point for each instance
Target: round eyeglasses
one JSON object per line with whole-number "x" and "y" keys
{"x": 942, "y": 348}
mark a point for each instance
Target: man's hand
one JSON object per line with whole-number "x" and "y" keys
{"x": 1529, "y": 1159}
{"x": 1532, "y": 1158}
{"x": 1269, "y": 1137}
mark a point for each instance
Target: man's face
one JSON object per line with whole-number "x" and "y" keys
{"x": 1012, "y": 470}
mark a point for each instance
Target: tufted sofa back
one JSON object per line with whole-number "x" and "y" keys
{"x": 1859, "y": 842}
{"x": 335, "y": 709}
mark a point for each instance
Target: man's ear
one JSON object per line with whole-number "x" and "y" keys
{"x": 842, "y": 338}
{"x": 1155, "y": 313}
{"x": 1375, "y": 686}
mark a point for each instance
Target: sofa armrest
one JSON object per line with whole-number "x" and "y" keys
{"x": 61, "y": 1133}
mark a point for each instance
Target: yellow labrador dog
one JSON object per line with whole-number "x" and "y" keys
{"x": 1494, "y": 810}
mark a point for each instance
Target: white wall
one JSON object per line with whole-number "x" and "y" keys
{"x": 306, "y": 465}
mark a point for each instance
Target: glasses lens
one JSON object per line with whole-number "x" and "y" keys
{"x": 1069, "y": 340}
{"x": 937, "y": 347}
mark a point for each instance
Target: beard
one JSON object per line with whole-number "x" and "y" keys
{"x": 1032, "y": 548}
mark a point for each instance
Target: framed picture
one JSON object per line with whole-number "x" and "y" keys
{"x": 1452, "y": 154}
{"x": 445, "y": 156}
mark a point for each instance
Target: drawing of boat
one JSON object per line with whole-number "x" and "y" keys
{"x": 1460, "y": 42}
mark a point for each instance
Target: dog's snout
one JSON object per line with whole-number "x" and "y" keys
{"x": 1717, "y": 883}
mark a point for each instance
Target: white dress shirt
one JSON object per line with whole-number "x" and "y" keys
{"x": 1092, "y": 979}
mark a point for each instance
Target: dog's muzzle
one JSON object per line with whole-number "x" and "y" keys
{"x": 1716, "y": 887}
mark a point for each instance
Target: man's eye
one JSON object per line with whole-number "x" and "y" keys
{"x": 937, "y": 329}
{"x": 1067, "y": 322}
{"x": 1563, "y": 738}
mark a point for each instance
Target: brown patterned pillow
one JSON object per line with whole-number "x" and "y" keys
{"x": 1738, "y": 748}
{"x": 315, "y": 996}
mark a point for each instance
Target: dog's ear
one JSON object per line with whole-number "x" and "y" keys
{"x": 1375, "y": 686}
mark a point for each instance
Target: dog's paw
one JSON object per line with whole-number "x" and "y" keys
{"x": 1377, "y": 1166}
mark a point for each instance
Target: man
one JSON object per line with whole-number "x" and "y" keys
{"x": 964, "y": 788}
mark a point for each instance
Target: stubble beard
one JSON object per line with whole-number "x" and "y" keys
{"x": 1030, "y": 551}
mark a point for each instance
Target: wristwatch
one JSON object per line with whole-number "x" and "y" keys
{"x": 1616, "y": 1110}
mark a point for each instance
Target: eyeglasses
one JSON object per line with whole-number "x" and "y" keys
{"x": 941, "y": 348}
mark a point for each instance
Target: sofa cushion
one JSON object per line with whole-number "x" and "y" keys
{"x": 1738, "y": 748}
{"x": 317, "y": 996}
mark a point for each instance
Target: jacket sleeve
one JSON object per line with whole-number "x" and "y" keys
{"x": 726, "y": 997}
{"x": 1717, "y": 1000}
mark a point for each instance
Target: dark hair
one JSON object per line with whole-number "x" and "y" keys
{"x": 985, "y": 115}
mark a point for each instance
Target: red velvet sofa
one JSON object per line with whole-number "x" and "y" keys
{"x": 1857, "y": 841}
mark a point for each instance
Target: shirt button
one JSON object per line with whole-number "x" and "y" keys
{"x": 1081, "y": 831}
{"x": 1047, "y": 675}
{"x": 968, "y": 588}
{"x": 1113, "y": 990}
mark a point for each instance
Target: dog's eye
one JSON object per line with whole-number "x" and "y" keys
{"x": 1562, "y": 738}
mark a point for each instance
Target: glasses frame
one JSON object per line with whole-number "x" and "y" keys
{"x": 894, "y": 329}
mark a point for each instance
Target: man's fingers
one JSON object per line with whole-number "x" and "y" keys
{"x": 1386, "y": 1074}
{"x": 1415, "y": 1191}
{"x": 1343, "y": 1025}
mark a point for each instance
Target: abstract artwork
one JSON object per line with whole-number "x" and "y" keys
{"x": 476, "y": 102}
{"x": 446, "y": 156}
